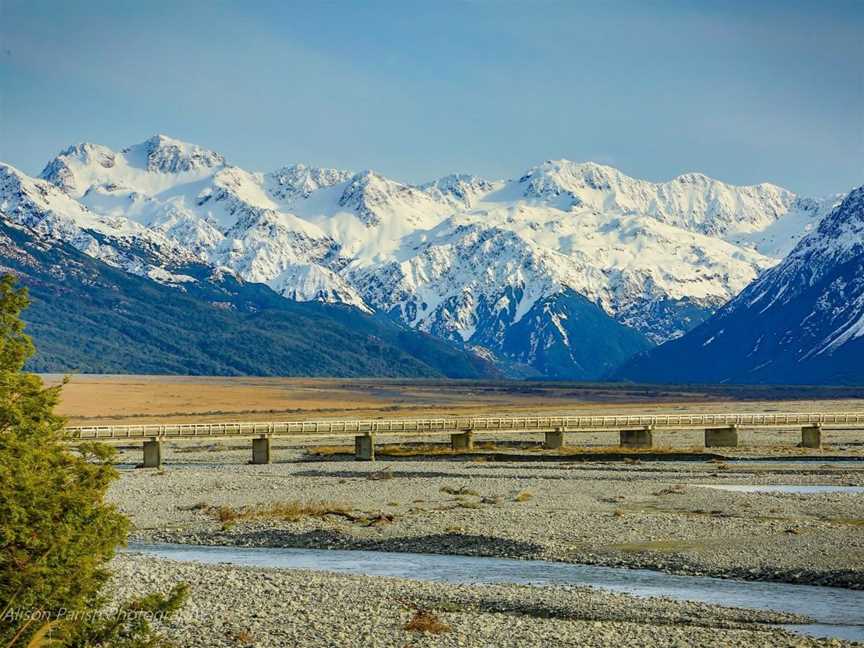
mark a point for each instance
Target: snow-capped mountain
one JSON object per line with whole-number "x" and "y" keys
{"x": 498, "y": 260}
{"x": 461, "y": 257}
{"x": 151, "y": 167}
{"x": 800, "y": 322}
{"x": 299, "y": 181}
{"x": 87, "y": 316}
{"x": 692, "y": 201}
{"x": 49, "y": 212}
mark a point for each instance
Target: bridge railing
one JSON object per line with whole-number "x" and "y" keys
{"x": 445, "y": 425}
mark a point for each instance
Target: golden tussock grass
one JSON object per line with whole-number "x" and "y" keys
{"x": 398, "y": 450}
{"x": 95, "y": 399}
{"x": 426, "y": 621}
{"x": 635, "y": 451}
{"x": 292, "y": 511}
{"x": 243, "y": 637}
{"x": 443, "y": 449}
{"x": 295, "y": 511}
{"x": 326, "y": 451}
{"x": 386, "y": 450}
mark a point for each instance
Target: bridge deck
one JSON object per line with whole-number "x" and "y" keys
{"x": 118, "y": 433}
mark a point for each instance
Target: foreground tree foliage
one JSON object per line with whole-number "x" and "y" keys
{"x": 56, "y": 531}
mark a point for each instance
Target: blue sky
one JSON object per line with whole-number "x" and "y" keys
{"x": 742, "y": 91}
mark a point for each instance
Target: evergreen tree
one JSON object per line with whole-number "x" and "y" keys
{"x": 56, "y": 531}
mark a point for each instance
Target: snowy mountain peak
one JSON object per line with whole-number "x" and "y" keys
{"x": 707, "y": 183}
{"x": 151, "y": 167}
{"x": 462, "y": 188}
{"x": 568, "y": 171}
{"x": 692, "y": 201}
{"x": 47, "y": 211}
{"x": 838, "y": 237}
{"x": 800, "y": 322}
{"x": 461, "y": 257}
{"x": 11, "y": 175}
{"x": 838, "y": 240}
{"x": 61, "y": 170}
{"x": 847, "y": 219}
{"x": 694, "y": 178}
{"x": 555, "y": 179}
{"x": 164, "y": 154}
{"x": 367, "y": 191}
{"x": 298, "y": 181}
{"x": 22, "y": 195}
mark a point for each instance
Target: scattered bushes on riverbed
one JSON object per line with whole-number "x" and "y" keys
{"x": 460, "y": 490}
{"x": 426, "y": 621}
{"x": 295, "y": 511}
{"x": 379, "y": 475}
{"x": 399, "y": 449}
{"x": 210, "y": 447}
{"x": 677, "y": 489}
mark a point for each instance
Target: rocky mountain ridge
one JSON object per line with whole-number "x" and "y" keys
{"x": 800, "y": 322}
{"x": 461, "y": 257}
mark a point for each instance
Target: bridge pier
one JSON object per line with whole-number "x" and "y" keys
{"x": 364, "y": 447}
{"x": 811, "y": 436}
{"x": 462, "y": 441}
{"x": 554, "y": 440}
{"x": 153, "y": 453}
{"x": 261, "y": 450}
{"x": 722, "y": 437}
{"x": 638, "y": 438}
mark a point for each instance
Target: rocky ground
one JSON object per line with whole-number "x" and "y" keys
{"x": 640, "y": 513}
{"x": 237, "y": 606}
{"x": 633, "y": 512}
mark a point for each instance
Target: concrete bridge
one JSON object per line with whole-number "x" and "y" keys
{"x": 635, "y": 431}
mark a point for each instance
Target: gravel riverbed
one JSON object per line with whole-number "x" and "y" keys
{"x": 634, "y": 513}
{"x": 241, "y": 606}
{"x": 645, "y": 514}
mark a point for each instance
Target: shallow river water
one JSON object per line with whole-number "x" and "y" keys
{"x": 792, "y": 489}
{"x": 836, "y": 612}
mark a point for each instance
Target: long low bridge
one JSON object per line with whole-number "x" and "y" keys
{"x": 635, "y": 430}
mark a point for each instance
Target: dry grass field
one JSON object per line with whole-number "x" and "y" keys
{"x": 95, "y": 399}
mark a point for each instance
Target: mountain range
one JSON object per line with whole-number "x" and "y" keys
{"x": 89, "y": 316}
{"x": 802, "y": 321}
{"x": 565, "y": 272}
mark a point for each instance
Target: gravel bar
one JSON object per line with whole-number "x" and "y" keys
{"x": 640, "y": 514}
{"x": 242, "y": 606}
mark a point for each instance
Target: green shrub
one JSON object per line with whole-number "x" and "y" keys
{"x": 56, "y": 531}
